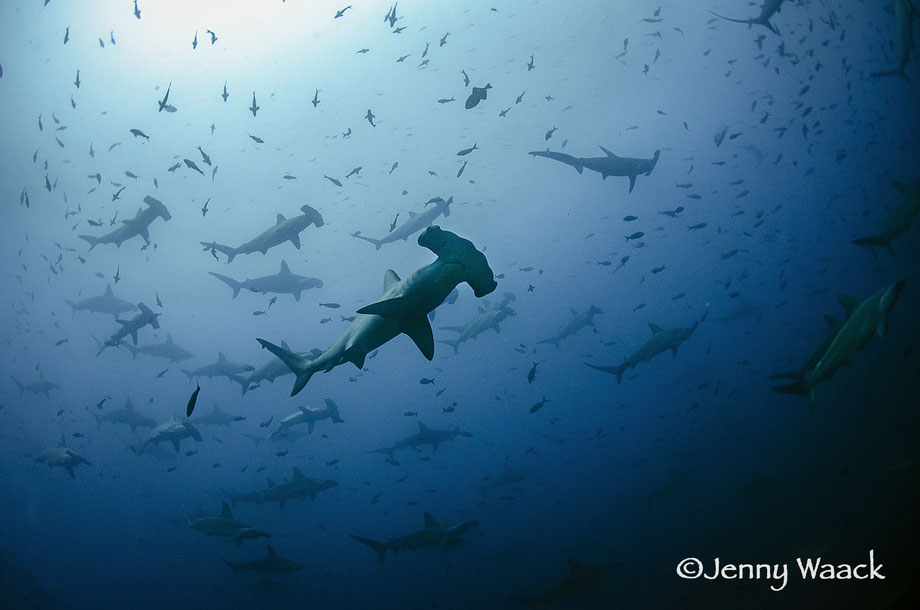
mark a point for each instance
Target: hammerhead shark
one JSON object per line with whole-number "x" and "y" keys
{"x": 226, "y": 526}
{"x": 61, "y": 457}
{"x": 489, "y": 316}
{"x": 130, "y": 327}
{"x": 285, "y": 229}
{"x": 579, "y": 320}
{"x": 283, "y": 282}
{"x": 134, "y": 226}
{"x": 270, "y": 563}
{"x": 769, "y": 8}
{"x": 900, "y": 219}
{"x": 128, "y": 416}
{"x": 416, "y": 223}
{"x": 904, "y": 12}
{"x": 610, "y": 165}
{"x": 444, "y": 536}
{"x": 106, "y": 302}
{"x": 424, "y": 436}
{"x": 167, "y": 349}
{"x": 864, "y": 320}
{"x": 298, "y": 488}
{"x": 402, "y": 308}
{"x": 661, "y": 341}
{"x": 309, "y": 416}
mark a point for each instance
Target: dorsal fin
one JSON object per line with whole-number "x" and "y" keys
{"x": 169, "y": 339}
{"x": 285, "y": 270}
{"x": 279, "y": 219}
{"x": 62, "y": 444}
{"x": 574, "y": 566}
{"x": 270, "y": 483}
{"x": 422, "y": 427}
{"x": 848, "y": 302}
{"x": 298, "y": 476}
{"x": 221, "y": 357}
{"x": 389, "y": 278}
{"x": 270, "y": 552}
{"x": 429, "y": 520}
{"x": 225, "y": 511}
{"x": 108, "y": 290}
{"x": 215, "y": 408}
{"x": 655, "y": 328}
{"x": 412, "y": 214}
{"x": 607, "y": 152}
{"x": 128, "y": 404}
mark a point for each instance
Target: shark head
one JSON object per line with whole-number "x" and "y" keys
{"x": 314, "y": 216}
{"x": 455, "y": 249}
{"x": 157, "y": 205}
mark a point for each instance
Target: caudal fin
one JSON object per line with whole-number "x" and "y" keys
{"x": 380, "y": 547}
{"x": 92, "y": 241}
{"x": 613, "y": 370}
{"x": 299, "y": 365}
{"x": 376, "y": 242}
{"x": 801, "y": 387}
{"x": 233, "y": 566}
{"x": 229, "y": 281}
{"x": 451, "y": 342}
{"x": 230, "y": 252}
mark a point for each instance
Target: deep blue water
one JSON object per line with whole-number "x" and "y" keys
{"x": 690, "y": 455}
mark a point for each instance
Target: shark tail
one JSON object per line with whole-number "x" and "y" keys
{"x": 236, "y": 567}
{"x": 756, "y": 21}
{"x": 380, "y": 547}
{"x": 451, "y": 342}
{"x": 73, "y": 306}
{"x": 229, "y": 281}
{"x": 613, "y": 370}
{"x": 376, "y": 242}
{"x": 800, "y": 387}
{"x": 299, "y": 365}
{"x": 334, "y": 412}
{"x": 230, "y": 252}
{"x": 92, "y": 241}
{"x": 873, "y": 241}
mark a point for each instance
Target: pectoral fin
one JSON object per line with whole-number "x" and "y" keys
{"x": 419, "y": 330}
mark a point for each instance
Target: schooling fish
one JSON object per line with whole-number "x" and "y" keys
{"x": 191, "y": 402}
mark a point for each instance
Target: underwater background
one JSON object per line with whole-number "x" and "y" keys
{"x": 778, "y": 149}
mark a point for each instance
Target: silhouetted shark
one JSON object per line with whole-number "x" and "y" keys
{"x": 611, "y": 165}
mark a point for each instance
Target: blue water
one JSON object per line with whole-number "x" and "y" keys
{"x": 691, "y": 455}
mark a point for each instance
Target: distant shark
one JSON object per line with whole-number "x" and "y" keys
{"x": 424, "y": 436}
{"x": 900, "y": 219}
{"x": 39, "y": 386}
{"x": 416, "y": 223}
{"x": 106, "y": 302}
{"x": 172, "y": 431}
{"x": 216, "y": 417}
{"x": 579, "y": 320}
{"x": 130, "y": 327}
{"x": 580, "y": 578}
{"x": 661, "y": 341}
{"x": 271, "y": 563}
{"x": 133, "y": 227}
{"x": 489, "y": 316}
{"x": 62, "y": 457}
{"x": 225, "y": 526}
{"x": 127, "y": 416}
{"x": 444, "y": 536}
{"x": 167, "y": 349}
{"x": 767, "y": 10}
{"x": 309, "y": 416}
{"x": 865, "y": 319}
{"x": 611, "y": 165}
{"x": 275, "y": 368}
{"x": 298, "y": 488}
{"x": 283, "y": 282}
{"x": 285, "y": 229}
{"x": 221, "y": 368}
{"x": 402, "y": 308}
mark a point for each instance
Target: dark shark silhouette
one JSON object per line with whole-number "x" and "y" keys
{"x": 610, "y": 165}
{"x": 444, "y": 536}
{"x": 402, "y": 308}
{"x": 283, "y": 282}
{"x": 285, "y": 229}
{"x": 133, "y": 227}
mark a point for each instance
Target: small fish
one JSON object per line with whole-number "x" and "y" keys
{"x": 463, "y": 167}
{"x": 192, "y": 165}
{"x": 213, "y": 36}
{"x": 657, "y": 270}
{"x": 204, "y": 157}
{"x": 315, "y": 100}
{"x": 636, "y": 235}
{"x": 447, "y": 410}
{"x": 698, "y": 225}
{"x": 258, "y": 313}
{"x": 332, "y": 180}
{"x": 538, "y": 405}
{"x": 256, "y": 139}
{"x": 426, "y": 381}
{"x": 191, "y": 401}
{"x": 467, "y": 151}
{"x": 532, "y": 373}
{"x": 191, "y": 452}
{"x": 61, "y": 342}
{"x": 411, "y": 413}
{"x": 162, "y": 102}
{"x": 281, "y": 453}
{"x": 163, "y": 372}
{"x": 445, "y": 100}
{"x": 370, "y": 118}
{"x": 353, "y": 172}
{"x": 630, "y": 218}
{"x": 330, "y": 305}
{"x": 550, "y": 133}
{"x": 225, "y": 95}
{"x": 137, "y": 133}
{"x": 254, "y": 108}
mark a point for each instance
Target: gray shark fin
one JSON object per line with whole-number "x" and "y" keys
{"x": 225, "y": 511}
{"x": 608, "y": 153}
{"x": 175, "y": 444}
{"x": 655, "y": 328}
{"x": 413, "y": 214}
{"x": 296, "y": 241}
{"x": 311, "y": 423}
{"x": 298, "y": 476}
{"x": 270, "y": 552}
{"x": 285, "y": 270}
{"x": 419, "y": 330}
{"x": 422, "y": 427}
{"x": 848, "y": 302}
{"x": 108, "y": 290}
{"x": 279, "y": 219}
{"x": 389, "y": 278}
{"x": 430, "y": 521}
{"x": 270, "y": 483}
{"x": 632, "y": 182}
